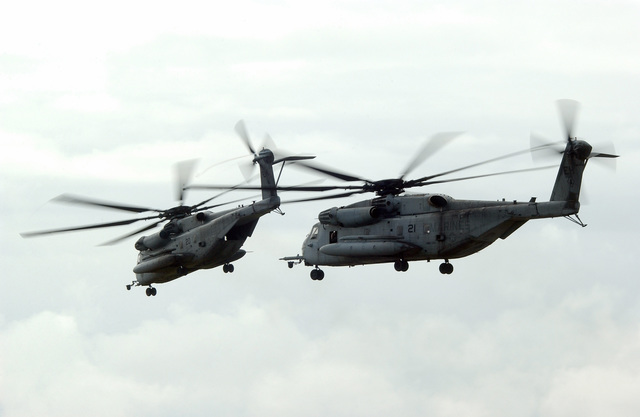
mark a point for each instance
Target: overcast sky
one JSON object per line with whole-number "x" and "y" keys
{"x": 102, "y": 100}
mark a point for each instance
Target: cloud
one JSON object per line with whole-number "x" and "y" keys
{"x": 258, "y": 359}
{"x": 593, "y": 390}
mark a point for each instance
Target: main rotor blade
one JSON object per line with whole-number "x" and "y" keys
{"x": 241, "y": 130}
{"x": 220, "y": 163}
{"x": 517, "y": 171}
{"x": 568, "y": 113}
{"x": 326, "y": 197}
{"x": 184, "y": 171}
{"x": 330, "y": 172}
{"x": 226, "y": 190}
{"x": 498, "y": 158}
{"x": 541, "y": 148}
{"x": 280, "y": 188}
{"x": 433, "y": 145}
{"x": 92, "y": 226}
{"x": 67, "y": 198}
{"x": 227, "y": 202}
{"x": 121, "y": 238}
{"x": 212, "y": 198}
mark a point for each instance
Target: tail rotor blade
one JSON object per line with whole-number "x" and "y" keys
{"x": 606, "y": 159}
{"x": 602, "y": 155}
{"x": 241, "y": 130}
{"x": 269, "y": 143}
{"x": 247, "y": 169}
{"x": 184, "y": 172}
{"x": 568, "y": 113}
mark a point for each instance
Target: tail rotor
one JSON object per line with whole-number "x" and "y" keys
{"x": 568, "y": 109}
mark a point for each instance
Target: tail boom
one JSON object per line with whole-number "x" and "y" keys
{"x": 569, "y": 178}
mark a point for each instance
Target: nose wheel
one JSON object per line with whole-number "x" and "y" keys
{"x": 150, "y": 291}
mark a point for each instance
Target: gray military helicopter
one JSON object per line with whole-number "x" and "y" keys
{"x": 193, "y": 238}
{"x": 396, "y": 228}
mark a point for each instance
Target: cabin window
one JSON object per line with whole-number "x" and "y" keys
{"x": 333, "y": 236}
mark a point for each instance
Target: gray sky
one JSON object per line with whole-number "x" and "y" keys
{"x": 101, "y": 101}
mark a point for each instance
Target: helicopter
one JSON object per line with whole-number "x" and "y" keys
{"x": 193, "y": 237}
{"x": 398, "y": 228}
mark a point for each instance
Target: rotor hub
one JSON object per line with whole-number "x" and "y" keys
{"x": 177, "y": 212}
{"x": 265, "y": 155}
{"x": 392, "y": 186}
{"x": 582, "y": 149}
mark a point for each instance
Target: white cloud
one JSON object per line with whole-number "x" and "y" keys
{"x": 256, "y": 359}
{"x": 594, "y": 390}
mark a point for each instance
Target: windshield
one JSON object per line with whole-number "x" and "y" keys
{"x": 314, "y": 232}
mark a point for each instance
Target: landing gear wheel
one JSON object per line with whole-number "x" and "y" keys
{"x": 227, "y": 268}
{"x": 446, "y": 268}
{"x": 401, "y": 266}
{"x": 151, "y": 291}
{"x": 317, "y": 274}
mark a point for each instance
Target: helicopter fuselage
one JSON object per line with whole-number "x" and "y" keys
{"x": 199, "y": 241}
{"x": 417, "y": 227}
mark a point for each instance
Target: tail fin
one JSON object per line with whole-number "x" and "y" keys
{"x": 266, "y": 160}
{"x": 267, "y": 179}
{"x": 569, "y": 179}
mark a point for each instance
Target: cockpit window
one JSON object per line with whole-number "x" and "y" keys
{"x": 314, "y": 232}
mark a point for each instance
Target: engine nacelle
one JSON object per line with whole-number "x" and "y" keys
{"x": 155, "y": 241}
{"x": 350, "y": 217}
{"x": 158, "y": 240}
{"x": 438, "y": 201}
